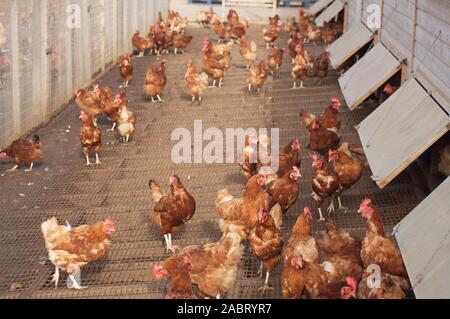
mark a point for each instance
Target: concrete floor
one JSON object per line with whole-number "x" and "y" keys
{"x": 62, "y": 186}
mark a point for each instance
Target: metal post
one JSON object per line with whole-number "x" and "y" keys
{"x": 274, "y": 8}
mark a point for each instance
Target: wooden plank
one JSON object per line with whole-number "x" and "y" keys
{"x": 329, "y": 13}
{"x": 439, "y": 90}
{"x": 224, "y": 14}
{"x": 38, "y": 57}
{"x": 357, "y": 86}
{"x": 424, "y": 241}
{"x": 15, "y": 69}
{"x": 68, "y": 54}
{"x": 103, "y": 36}
{"x": 318, "y": 6}
{"x": 400, "y": 130}
{"x": 84, "y": 32}
{"x": 250, "y": 3}
{"x": 115, "y": 45}
{"x": 413, "y": 44}
{"x": 346, "y": 16}
{"x": 348, "y": 44}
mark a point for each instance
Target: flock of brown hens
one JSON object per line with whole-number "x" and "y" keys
{"x": 334, "y": 266}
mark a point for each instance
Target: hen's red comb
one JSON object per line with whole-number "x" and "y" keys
{"x": 365, "y": 203}
{"x": 352, "y": 283}
{"x": 335, "y": 100}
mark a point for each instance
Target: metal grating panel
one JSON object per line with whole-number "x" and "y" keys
{"x": 119, "y": 189}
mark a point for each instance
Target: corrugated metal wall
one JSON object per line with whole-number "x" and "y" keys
{"x": 427, "y": 53}
{"x": 51, "y": 60}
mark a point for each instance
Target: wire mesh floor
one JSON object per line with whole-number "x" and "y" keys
{"x": 62, "y": 186}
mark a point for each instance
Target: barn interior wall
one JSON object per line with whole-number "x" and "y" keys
{"x": 43, "y": 59}
{"x": 419, "y": 31}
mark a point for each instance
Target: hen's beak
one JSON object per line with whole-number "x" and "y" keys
{"x": 360, "y": 211}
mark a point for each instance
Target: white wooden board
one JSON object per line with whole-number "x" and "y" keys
{"x": 329, "y": 13}
{"x": 318, "y": 6}
{"x": 250, "y": 3}
{"x": 400, "y": 130}
{"x": 367, "y": 75}
{"x": 348, "y": 44}
{"x": 424, "y": 240}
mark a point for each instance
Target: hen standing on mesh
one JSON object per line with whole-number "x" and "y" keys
{"x": 126, "y": 69}
{"x": 70, "y": 249}
{"x": 23, "y": 151}
{"x": 347, "y": 167}
{"x": 155, "y": 81}
{"x": 171, "y": 211}
{"x": 325, "y": 184}
{"x": 212, "y": 267}
{"x": 379, "y": 251}
{"x": 266, "y": 241}
{"x": 90, "y": 138}
{"x": 196, "y": 83}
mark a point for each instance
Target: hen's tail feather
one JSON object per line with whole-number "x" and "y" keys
{"x": 229, "y": 227}
{"x": 47, "y": 226}
{"x": 357, "y": 149}
{"x": 330, "y": 225}
{"x": 223, "y": 196}
{"x": 277, "y": 214}
{"x": 232, "y": 241}
{"x": 157, "y": 193}
{"x": 307, "y": 118}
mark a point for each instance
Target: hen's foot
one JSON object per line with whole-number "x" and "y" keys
{"x": 321, "y": 219}
{"x": 55, "y": 277}
{"x": 265, "y": 288}
{"x": 260, "y": 271}
{"x": 75, "y": 284}
{"x": 13, "y": 169}
{"x": 331, "y": 208}
{"x": 29, "y": 169}
{"x": 172, "y": 249}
